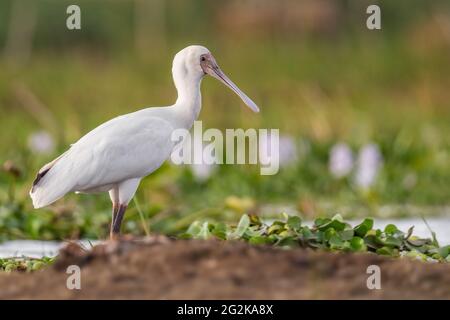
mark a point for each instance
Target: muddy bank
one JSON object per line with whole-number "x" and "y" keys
{"x": 159, "y": 268}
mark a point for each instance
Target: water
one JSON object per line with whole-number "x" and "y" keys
{"x": 35, "y": 248}
{"x": 38, "y": 249}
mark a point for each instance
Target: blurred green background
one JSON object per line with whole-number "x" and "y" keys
{"x": 316, "y": 71}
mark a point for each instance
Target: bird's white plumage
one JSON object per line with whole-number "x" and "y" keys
{"x": 127, "y": 147}
{"x": 116, "y": 155}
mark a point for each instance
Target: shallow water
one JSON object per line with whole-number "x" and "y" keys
{"x": 38, "y": 249}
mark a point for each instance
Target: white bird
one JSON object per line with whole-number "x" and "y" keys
{"x": 116, "y": 155}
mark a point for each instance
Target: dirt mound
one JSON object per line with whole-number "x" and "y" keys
{"x": 160, "y": 268}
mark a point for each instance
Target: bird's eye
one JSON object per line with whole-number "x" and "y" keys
{"x": 202, "y": 59}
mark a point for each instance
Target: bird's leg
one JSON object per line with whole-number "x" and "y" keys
{"x": 123, "y": 193}
{"x": 114, "y": 195}
{"x": 115, "y": 231}
{"x": 115, "y": 209}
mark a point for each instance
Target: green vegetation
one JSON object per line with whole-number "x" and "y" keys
{"x": 320, "y": 79}
{"x": 332, "y": 234}
{"x": 24, "y": 264}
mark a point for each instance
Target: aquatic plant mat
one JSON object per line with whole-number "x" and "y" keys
{"x": 163, "y": 268}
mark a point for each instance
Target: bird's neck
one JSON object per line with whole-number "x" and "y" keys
{"x": 188, "y": 105}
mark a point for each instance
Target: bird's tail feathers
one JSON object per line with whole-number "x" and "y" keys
{"x": 51, "y": 183}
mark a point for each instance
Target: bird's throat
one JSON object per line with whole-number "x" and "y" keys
{"x": 189, "y": 101}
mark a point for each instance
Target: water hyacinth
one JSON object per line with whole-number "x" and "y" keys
{"x": 202, "y": 172}
{"x": 41, "y": 142}
{"x": 331, "y": 234}
{"x": 341, "y": 160}
{"x": 368, "y": 166}
{"x": 201, "y": 167}
{"x": 287, "y": 150}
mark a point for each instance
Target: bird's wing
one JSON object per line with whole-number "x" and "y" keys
{"x": 126, "y": 147}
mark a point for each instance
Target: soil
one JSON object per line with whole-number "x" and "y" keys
{"x": 162, "y": 268}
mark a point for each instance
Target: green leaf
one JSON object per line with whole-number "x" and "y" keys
{"x": 287, "y": 242}
{"x": 410, "y": 232}
{"x": 194, "y": 229}
{"x": 364, "y": 227}
{"x": 242, "y": 226}
{"x": 357, "y": 244}
{"x": 254, "y": 231}
{"x": 220, "y": 231}
{"x": 336, "y": 242}
{"x": 321, "y": 221}
{"x": 421, "y": 249}
{"x": 258, "y": 240}
{"x": 294, "y": 222}
{"x": 444, "y": 252}
{"x": 338, "y": 217}
{"x": 37, "y": 265}
{"x": 390, "y": 229}
{"x": 416, "y": 242}
{"x": 307, "y": 234}
{"x": 329, "y": 233}
{"x": 335, "y": 224}
{"x": 372, "y": 241}
{"x": 285, "y": 233}
{"x": 392, "y": 242}
{"x": 254, "y": 220}
{"x": 275, "y": 228}
{"x": 204, "y": 233}
{"x": 346, "y": 235}
{"x": 386, "y": 251}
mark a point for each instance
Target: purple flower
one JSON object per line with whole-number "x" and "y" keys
{"x": 368, "y": 166}
{"x": 287, "y": 150}
{"x": 201, "y": 169}
{"x": 202, "y": 172}
{"x": 41, "y": 142}
{"x": 341, "y": 160}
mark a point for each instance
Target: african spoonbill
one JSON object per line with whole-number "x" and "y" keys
{"x": 116, "y": 155}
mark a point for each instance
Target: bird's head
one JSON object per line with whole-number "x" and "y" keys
{"x": 196, "y": 61}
